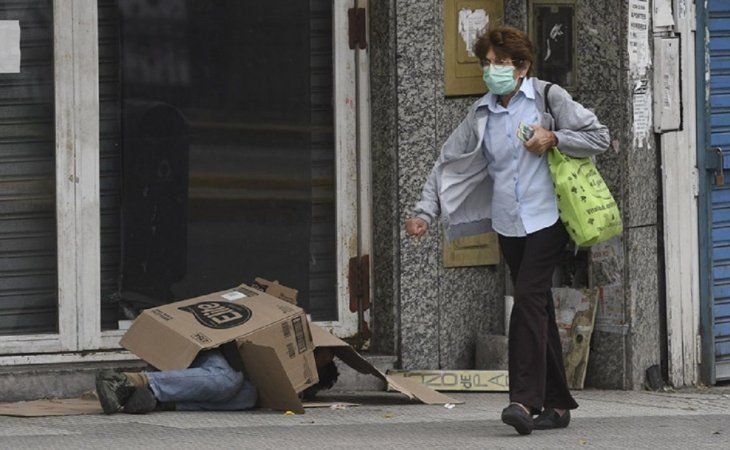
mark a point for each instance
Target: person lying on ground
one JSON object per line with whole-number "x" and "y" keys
{"x": 209, "y": 384}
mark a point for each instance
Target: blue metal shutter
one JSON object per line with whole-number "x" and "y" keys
{"x": 719, "y": 48}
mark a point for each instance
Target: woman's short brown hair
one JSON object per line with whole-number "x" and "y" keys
{"x": 507, "y": 43}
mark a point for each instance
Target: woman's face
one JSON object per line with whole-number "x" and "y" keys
{"x": 517, "y": 73}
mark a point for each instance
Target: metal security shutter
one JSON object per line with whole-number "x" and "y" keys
{"x": 322, "y": 275}
{"x": 110, "y": 159}
{"x": 719, "y": 124}
{"x": 28, "y": 267}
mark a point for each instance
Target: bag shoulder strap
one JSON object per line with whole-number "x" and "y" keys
{"x": 547, "y": 101}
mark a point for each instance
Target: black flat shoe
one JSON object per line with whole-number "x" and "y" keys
{"x": 549, "y": 419}
{"x": 516, "y": 416}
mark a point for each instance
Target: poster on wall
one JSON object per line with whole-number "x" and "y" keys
{"x": 552, "y": 30}
{"x": 464, "y": 22}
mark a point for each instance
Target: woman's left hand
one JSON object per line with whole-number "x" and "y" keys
{"x": 542, "y": 141}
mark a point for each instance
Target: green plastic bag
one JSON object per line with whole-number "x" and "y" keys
{"x": 586, "y": 206}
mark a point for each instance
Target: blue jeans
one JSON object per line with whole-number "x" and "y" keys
{"x": 210, "y": 384}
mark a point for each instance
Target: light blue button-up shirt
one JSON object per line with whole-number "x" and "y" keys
{"x": 524, "y": 199}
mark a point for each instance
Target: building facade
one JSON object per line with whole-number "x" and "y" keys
{"x": 154, "y": 151}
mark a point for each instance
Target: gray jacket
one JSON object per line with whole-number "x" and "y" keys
{"x": 459, "y": 189}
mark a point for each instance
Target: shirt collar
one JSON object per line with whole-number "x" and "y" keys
{"x": 527, "y": 88}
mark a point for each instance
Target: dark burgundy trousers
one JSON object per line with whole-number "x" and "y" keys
{"x": 536, "y": 370}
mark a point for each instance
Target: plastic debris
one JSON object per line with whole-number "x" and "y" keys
{"x": 449, "y": 406}
{"x": 290, "y": 413}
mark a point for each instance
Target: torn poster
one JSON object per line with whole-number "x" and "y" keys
{"x": 638, "y": 36}
{"x": 472, "y": 23}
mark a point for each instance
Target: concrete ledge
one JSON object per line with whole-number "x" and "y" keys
{"x": 54, "y": 380}
{"x": 71, "y": 380}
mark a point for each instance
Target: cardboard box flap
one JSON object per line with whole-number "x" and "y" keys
{"x": 323, "y": 338}
{"x": 159, "y": 346}
{"x": 353, "y": 359}
{"x": 413, "y": 389}
{"x": 278, "y": 290}
{"x": 267, "y": 374}
{"x": 349, "y": 356}
{"x": 343, "y": 350}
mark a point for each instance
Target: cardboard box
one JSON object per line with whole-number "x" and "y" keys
{"x": 342, "y": 350}
{"x": 271, "y": 336}
{"x": 277, "y": 290}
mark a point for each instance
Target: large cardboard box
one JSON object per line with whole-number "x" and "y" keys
{"x": 271, "y": 337}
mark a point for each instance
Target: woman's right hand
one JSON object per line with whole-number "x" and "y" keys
{"x": 417, "y": 227}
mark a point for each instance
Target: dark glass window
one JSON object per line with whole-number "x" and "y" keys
{"x": 217, "y": 150}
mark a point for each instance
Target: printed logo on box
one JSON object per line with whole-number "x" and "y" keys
{"x": 218, "y": 315}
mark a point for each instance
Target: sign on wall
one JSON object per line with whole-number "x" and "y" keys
{"x": 464, "y": 22}
{"x": 552, "y": 30}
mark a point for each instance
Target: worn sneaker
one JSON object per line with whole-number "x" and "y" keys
{"x": 113, "y": 389}
{"x": 550, "y": 419}
{"x": 516, "y": 416}
{"x": 141, "y": 401}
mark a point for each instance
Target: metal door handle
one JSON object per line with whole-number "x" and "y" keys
{"x": 719, "y": 172}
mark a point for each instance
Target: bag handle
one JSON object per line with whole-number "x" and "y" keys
{"x": 547, "y": 101}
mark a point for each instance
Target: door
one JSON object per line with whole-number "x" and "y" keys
{"x": 230, "y": 148}
{"x": 177, "y": 147}
{"x": 714, "y": 140}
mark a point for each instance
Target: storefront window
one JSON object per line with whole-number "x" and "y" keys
{"x": 217, "y": 151}
{"x": 28, "y": 242}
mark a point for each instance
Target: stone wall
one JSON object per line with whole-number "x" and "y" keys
{"x": 429, "y": 315}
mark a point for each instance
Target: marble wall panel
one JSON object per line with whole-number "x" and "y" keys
{"x": 416, "y": 90}
{"x": 607, "y": 361}
{"x": 386, "y": 219}
{"x": 643, "y": 187}
{"x": 643, "y": 289}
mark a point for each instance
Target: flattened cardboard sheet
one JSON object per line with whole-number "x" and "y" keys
{"x": 457, "y": 380}
{"x": 349, "y": 356}
{"x": 51, "y": 407}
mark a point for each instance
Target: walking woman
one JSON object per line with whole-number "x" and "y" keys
{"x": 492, "y": 175}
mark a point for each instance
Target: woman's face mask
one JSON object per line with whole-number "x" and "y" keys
{"x": 500, "y": 79}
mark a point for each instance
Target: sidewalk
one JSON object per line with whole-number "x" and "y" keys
{"x": 605, "y": 420}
